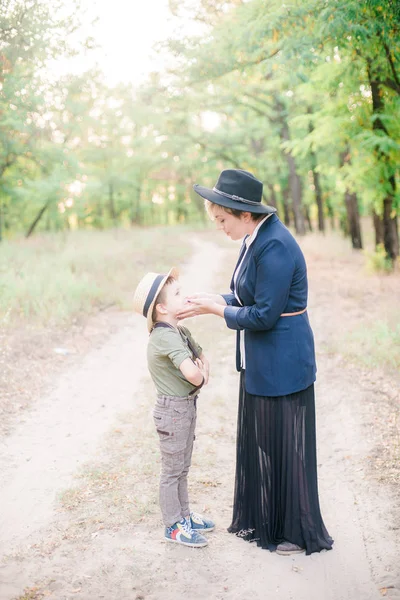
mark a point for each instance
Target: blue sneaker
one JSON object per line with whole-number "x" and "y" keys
{"x": 199, "y": 523}
{"x": 181, "y": 533}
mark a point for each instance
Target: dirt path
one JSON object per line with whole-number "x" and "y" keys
{"x": 79, "y": 515}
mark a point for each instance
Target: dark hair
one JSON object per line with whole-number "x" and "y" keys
{"x": 237, "y": 213}
{"x": 232, "y": 211}
{"x": 161, "y": 297}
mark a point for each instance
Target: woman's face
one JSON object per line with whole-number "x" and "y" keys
{"x": 234, "y": 227}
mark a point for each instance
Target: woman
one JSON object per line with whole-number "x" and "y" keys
{"x": 276, "y": 493}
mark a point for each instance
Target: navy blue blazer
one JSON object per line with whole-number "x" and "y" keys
{"x": 280, "y": 356}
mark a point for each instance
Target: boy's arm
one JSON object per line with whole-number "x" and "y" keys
{"x": 193, "y": 372}
{"x": 202, "y": 358}
{"x": 206, "y": 365}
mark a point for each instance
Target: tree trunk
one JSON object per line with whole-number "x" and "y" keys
{"x": 353, "y": 215}
{"x": 390, "y": 228}
{"x": 111, "y": 203}
{"x": 286, "y": 212}
{"x": 317, "y": 184}
{"x": 307, "y": 217}
{"x": 294, "y": 179}
{"x": 181, "y": 211}
{"x": 37, "y": 219}
{"x": 378, "y": 227}
{"x": 330, "y": 213}
{"x": 99, "y": 214}
{"x": 353, "y": 219}
{"x": 319, "y": 200}
{"x": 272, "y": 198}
{"x": 136, "y": 216}
{"x": 294, "y": 185}
{"x": 5, "y": 166}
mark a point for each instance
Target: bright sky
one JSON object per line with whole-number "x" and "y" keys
{"x": 127, "y": 30}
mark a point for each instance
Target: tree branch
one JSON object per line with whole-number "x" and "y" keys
{"x": 257, "y": 110}
{"x": 236, "y": 67}
{"x": 217, "y": 153}
{"x": 392, "y": 67}
{"x": 389, "y": 83}
{"x": 258, "y": 99}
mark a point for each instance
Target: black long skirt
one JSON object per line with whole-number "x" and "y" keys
{"x": 276, "y": 489}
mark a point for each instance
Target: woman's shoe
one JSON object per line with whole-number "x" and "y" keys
{"x": 287, "y": 548}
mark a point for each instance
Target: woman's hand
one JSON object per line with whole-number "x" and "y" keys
{"x": 200, "y": 306}
{"x": 205, "y": 296}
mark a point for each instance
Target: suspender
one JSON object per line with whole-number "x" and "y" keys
{"x": 187, "y": 342}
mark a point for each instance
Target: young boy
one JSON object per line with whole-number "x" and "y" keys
{"x": 178, "y": 368}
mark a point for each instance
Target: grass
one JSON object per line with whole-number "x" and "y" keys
{"x": 53, "y": 279}
{"x": 378, "y": 261}
{"x": 34, "y": 593}
{"x": 378, "y": 344}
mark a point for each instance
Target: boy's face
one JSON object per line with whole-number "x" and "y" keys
{"x": 173, "y": 300}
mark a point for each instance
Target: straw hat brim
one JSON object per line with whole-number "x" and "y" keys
{"x": 143, "y": 290}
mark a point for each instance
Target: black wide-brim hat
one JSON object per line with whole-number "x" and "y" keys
{"x": 236, "y": 189}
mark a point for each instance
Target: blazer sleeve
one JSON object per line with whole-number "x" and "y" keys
{"x": 230, "y": 299}
{"x": 274, "y": 273}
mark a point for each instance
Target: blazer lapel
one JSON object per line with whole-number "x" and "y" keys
{"x": 239, "y": 260}
{"x": 240, "y": 270}
{"x": 243, "y": 264}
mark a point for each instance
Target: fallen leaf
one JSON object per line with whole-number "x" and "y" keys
{"x": 296, "y": 569}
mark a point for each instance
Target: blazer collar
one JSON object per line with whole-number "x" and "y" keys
{"x": 249, "y": 239}
{"x": 244, "y": 247}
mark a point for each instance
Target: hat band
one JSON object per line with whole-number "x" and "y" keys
{"x": 233, "y": 197}
{"x": 151, "y": 294}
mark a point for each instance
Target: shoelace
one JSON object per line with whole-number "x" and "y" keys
{"x": 197, "y": 517}
{"x": 186, "y": 526}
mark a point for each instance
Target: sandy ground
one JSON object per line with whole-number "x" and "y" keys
{"x": 79, "y": 515}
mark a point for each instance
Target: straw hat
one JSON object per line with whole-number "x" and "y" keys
{"x": 147, "y": 291}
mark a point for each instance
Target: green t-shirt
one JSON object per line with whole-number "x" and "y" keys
{"x": 166, "y": 351}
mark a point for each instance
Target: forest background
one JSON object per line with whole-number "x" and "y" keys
{"x": 304, "y": 94}
{"x": 96, "y": 189}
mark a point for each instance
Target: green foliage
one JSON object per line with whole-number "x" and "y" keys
{"x": 306, "y": 95}
{"x": 378, "y": 260}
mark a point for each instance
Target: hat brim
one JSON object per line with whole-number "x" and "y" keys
{"x": 216, "y": 198}
{"x": 171, "y": 273}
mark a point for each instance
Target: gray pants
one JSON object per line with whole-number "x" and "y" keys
{"x": 175, "y": 421}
